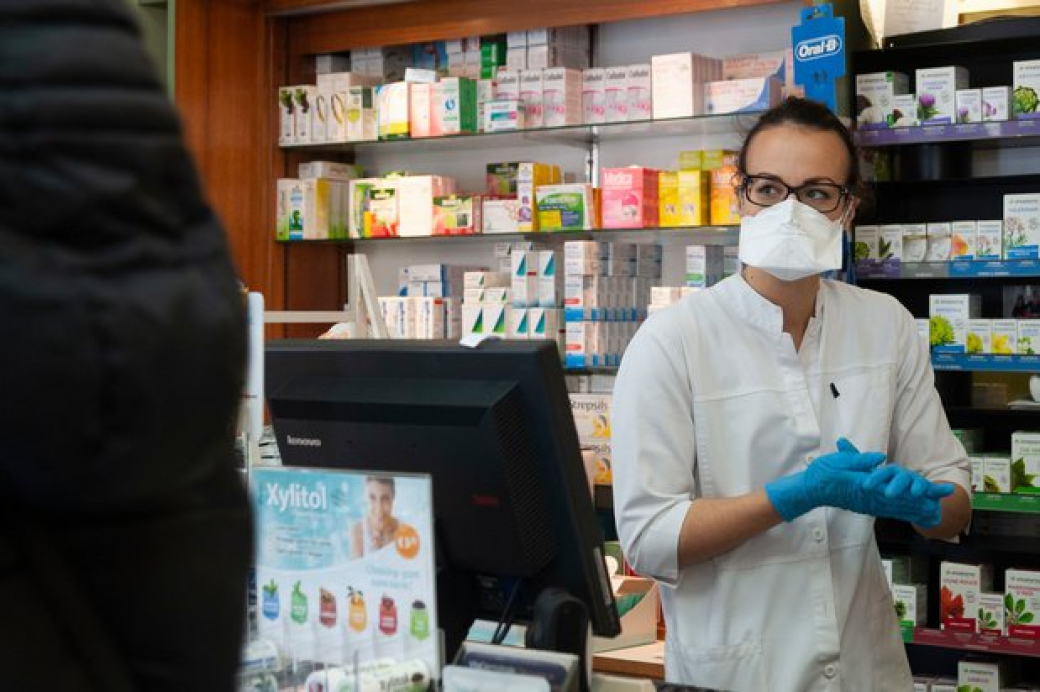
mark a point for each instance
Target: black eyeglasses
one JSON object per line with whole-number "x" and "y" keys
{"x": 765, "y": 191}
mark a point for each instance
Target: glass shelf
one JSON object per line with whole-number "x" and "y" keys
{"x": 970, "y": 641}
{"x": 956, "y": 269}
{"x": 985, "y": 363}
{"x": 700, "y": 235}
{"x": 1005, "y": 502}
{"x": 570, "y": 135}
{"x": 932, "y": 134}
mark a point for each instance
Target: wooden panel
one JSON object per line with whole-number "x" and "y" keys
{"x": 432, "y": 20}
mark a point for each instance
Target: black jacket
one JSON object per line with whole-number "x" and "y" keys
{"x": 120, "y": 370}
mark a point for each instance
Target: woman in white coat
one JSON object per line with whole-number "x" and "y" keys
{"x": 739, "y": 416}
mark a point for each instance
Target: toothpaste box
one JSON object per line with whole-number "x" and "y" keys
{"x": 593, "y": 95}
{"x": 991, "y": 614}
{"x": 989, "y": 240}
{"x": 1026, "y": 92}
{"x": 639, "y": 83}
{"x": 948, "y": 316}
{"x": 962, "y": 240}
{"x": 393, "y": 110}
{"x": 615, "y": 94}
{"x": 996, "y": 103}
{"x": 915, "y": 242}
{"x": 630, "y": 197}
{"x": 286, "y": 116}
{"x": 996, "y": 475}
{"x": 1025, "y": 455}
{"x": 569, "y": 207}
{"x": 362, "y": 123}
{"x": 290, "y": 215}
{"x": 562, "y": 97}
{"x": 980, "y": 336}
{"x": 875, "y": 98}
{"x": 1022, "y": 226}
{"x": 890, "y": 244}
{"x": 969, "y": 105}
{"x": 1028, "y": 337}
{"x": 936, "y": 93}
{"x": 1022, "y": 603}
{"x": 939, "y": 244}
{"x": 531, "y": 93}
{"x": 904, "y": 110}
{"x": 502, "y": 116}
{"x": 868, "y": 239}
{"x": 741, "y": 95}
{"x": 911, "y": 604}
{"x": 961, "y": 585}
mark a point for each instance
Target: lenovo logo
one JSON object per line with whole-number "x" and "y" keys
{"x": 302, "y": 441}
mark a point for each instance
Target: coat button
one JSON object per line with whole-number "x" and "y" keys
{"x": 830, "y": 670}
{"x": 817, "y": 533}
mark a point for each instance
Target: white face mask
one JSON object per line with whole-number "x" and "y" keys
{"x": 791, "y": 241}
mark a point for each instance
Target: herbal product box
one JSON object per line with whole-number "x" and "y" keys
{"x": 890, "y": 246}
{"x": 529, "y": 177}
{"x": 1022, "y": 226}
{"x": 640, "y": 92}
{"x": 362, "y": 123}
{"x": 989, "y": 240}
{"x": 334, "y": 90}
{"x": 503, "y": 116}
{"x": 981, "y": 676}
{"x": 977, "y": 473}
{"x": 615, "y": 94}
{"x": 969, "y": 105}
{"x": 1028, "y": 337}
{"x": 911, "y": 604}
{"x": 381, "y": 218}
{"x": 875, "y": 94}
{"x": 904, "y": 110}
{"x": 963, "y": 240}
{"x": 915, "y": 242}
{"x": 286, "y": 116}
{"x": 393, "y": 110}
{"x": 980, "y": 336}
{"x": 995, "y": 103}
{"x": 501, "y": 215}
{"x": 942, "y": 685}
{"x": 936, "y": 93}
{"x": 996, "y": 475}
{"x": 948, "y": 316}
{"x": 457, "y": 215}
{"x": 1025, "y": 467}
{"x": 741, "y": 95}
{"x": 867, "y": 239}
{"x": 290, "y": 214}
{"x": 939, "y": 243}
{"x": 1026, "y": 95}
{"x": 358, "y": 192}
{"x": 325, "y": 209}
{"x": 630, "y": 197}
{"x": 1022, "y": 603}
{"x": 333, "y": 170}
{"x": 1004, "y": 336}
{"x": 569, "y": 207}
{"x": 561, "y": 97}
{"x": 593, "y": 95}
{"x": 532, "y": 94}
{"x": 991, "y": 614}
{"x": 960, "y": 586}
{"x": 304, "y": 97}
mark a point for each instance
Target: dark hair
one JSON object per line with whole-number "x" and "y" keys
{"x": 813, "y": 115}
{"x": 385, "y": 480}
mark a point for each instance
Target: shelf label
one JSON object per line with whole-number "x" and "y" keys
{"x": 878, "y": 269}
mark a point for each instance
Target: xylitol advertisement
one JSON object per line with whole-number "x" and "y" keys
{"x": 345, "y": 566}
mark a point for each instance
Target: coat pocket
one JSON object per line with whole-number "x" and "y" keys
{"x": 861, "y": 409}
{"x": 735, "y": 667}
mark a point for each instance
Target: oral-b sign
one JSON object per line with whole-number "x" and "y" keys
{"x": 821, "y": 47}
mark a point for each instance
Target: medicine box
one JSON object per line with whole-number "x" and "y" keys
{"x": 415, "y": 195}
{"x": 529, "y": 177}
{"x": 502, "y": 116}
{"x": 501, "y": 215}
{"x": 507, "y": 86}
{"x": 875, "y": 98}
{"x": 936, "y": 93}
{"x": 978, "y": 465}
{"x": 593, "y": 95}
{"x": 991, "y": 614}
{"x": 615, "y": 94}
{"x": 640, "y": 92}
{"x": 682, "y": 198}
{"x": 1022, "y": 226}
{"x": 981, "y": 676}
{"x": 675, "y": 94}
{"x": 996, "y": 103}
{"x": 915, "y": 242}
{"x": 1026, "y": 84}
{"x": 1004, "y": 336}
{"x": 561, "y": 97}
{"x": 569, "y": 207}
{"x": 996, "y": 475}
{"x": 1028, "y": 337}
{"x": 703, "y": 265}
{"x": 531, "y": 93}
{"x": 304, "y": 97}
{"x": 890, "y": 245}
{"x": 630, "y": 197}
{"x": 393, "y": 110}
{"x": 290, "y": 209}
{"x": 904, "y": 110}
{"x": 911, "y": 604}
{"x": 939, "y": 242}
{"x": 963, "y": 240}
{"x": 989, "y": 240}
{"x": 980, "y": 337}
{"x": 1022, "y": 603}
{"x": 362, "y": 123}
{"x": 948, "y": 316}
{"x": 960, "y": 586}
{"x": 741, "y": 95}
{"x": 867, "y": 240}
{"x": 1025, "y": 455}
{"x": 969, "y": 105}
{"x": 457, "y": 215}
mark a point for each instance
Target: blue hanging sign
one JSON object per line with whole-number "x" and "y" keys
{"x": 819, "y": 53}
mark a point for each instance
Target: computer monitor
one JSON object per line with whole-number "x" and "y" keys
{"x": 493, "y": 428}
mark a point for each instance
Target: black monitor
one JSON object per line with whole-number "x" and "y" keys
{"x": 492, "y": 426}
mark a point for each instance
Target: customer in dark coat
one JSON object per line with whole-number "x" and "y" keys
{"x": 125, "y": 533}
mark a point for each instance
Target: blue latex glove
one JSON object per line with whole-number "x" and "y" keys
{"x": 832, "y": 480}
{"x": 898, "y": 493}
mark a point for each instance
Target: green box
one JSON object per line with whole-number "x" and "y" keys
{"x": 458, "y": 105}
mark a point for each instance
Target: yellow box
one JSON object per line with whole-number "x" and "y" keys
{"x": 683, "y": 198}
{"x": 691, "y": 160}
{"x": 712, "y": 159}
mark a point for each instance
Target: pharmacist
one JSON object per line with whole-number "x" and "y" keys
{"x": 760, "y": 425}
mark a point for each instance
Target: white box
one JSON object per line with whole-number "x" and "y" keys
{"x": 304, "y": 97}
{"x": 911, "y": 604}
{"x": 550, "y": 280}
{"x": 961, "y": 585}
{"x": 525, "y": 291}
{"x": 290, "y": 215}
{"x": 324, "y": 208}
{"x": 962, "y": 240}
{"x": 890, "y": 245}
{"x": 939, "y": 242}
{"x": 1023, "y": 586}
{"x": 1026, "y": 84}
{"x": 502, "y": 116}
{"x": 996, "y": 103}
{"x": 978, "y": 473}
{"x": 703, "y": 265}
{"x": 1022, "y": 226}
{"x": 1028, "y": 337}
{"x": 333, "y": 170}
{"x": 936, "y": 93}
{"x": 421, "y": 106}
{"x": 923, "y": 331}
{"x": 639, "y": 80}
{"x": 741, "y": 95}
{"x": 531, "y": 93}
{"x": 430, "y": 319}
{"x": 501, "y": 216}
{"x": 969, "y": 105}
{"x": 904, "y": 110}
{"x": 942, "y": 685}
{"x": 486, "y": 279}
{"x": 362, "y": 124}
{"x": 615, "y": 94}
{"x": 472, "y": 319}
{"x": 494, "y": 318}
{"x": 676, "y": 94}
{"x": 996, "y": 475}
{"x": 991, "y": 614}
{"x": 286, "y": 116}
{"x": 415, "y": 202}
{"x": 325, "y": 63}
{"x": 949, "y": 315}
{"x": 516, "y": 58}
{"x": 1025, "y": 447}
{"x": 507, "y": 85}
{"x": 518, "y": 327}
{"x": 980, "y": 676}
{"x": 561, "y": 97}
{"x": 1004, "y": 336}
{"x": 980, "y": 336}
{"x": 516, "y": 39}
{"x": 593, "y": 95}
{"x": 334, "y": 89}
{"x": 867, "y": 241}
{"x": 485, "y": 92}
{"x": 989, "y": 240}
{"x": 393, "y": 109}
{"x": 915, "y": 242}
{"x": 875, "y": 96}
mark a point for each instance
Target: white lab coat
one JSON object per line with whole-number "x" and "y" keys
{"x": 712, "y": 400}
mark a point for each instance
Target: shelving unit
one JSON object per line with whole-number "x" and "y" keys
{"x": 957, "y": 269}
{"x": 982, "y": 643}
{"x": 1003, "y": 133}
{"x": 699, "y": 235}
{"x": 985, "y": 363}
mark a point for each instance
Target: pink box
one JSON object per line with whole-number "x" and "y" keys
{"x": 629, "y": 197}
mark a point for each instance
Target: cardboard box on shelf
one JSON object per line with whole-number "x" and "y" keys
{"x": 639, "y": 623}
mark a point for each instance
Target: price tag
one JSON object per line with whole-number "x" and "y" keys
{"x": 819, "y": 52}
